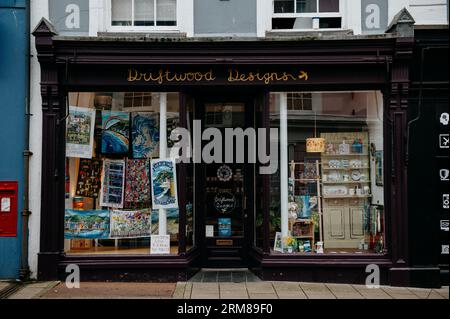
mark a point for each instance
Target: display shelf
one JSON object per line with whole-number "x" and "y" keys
{"x": 350, "y": 154}
{"x": 345, "y": 196}
{"x": 344, "y": 168}
{"x": 347, "y": 182}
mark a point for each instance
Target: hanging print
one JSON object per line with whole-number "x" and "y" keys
{"x": 115, "y": 132}
{"x": 137, "y": 183}
{"x": 130, "y": 224}
{"x": 88, "y": 224}
{"x": 164, "y": 184}
{"x": 145, "y": 135}
{"x": 112, "y": 183}
{"x": 80, "y": 132}
{"x": 89, "y": 178}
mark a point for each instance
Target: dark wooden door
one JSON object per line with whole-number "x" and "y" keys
{"x": 224, "y": 194}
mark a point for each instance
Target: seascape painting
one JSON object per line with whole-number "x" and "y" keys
{"x": 164, "y": 184}
{"x": 115, "y": 132}
{"x": 145, "y": 135}
{"x": 88, "y": 224}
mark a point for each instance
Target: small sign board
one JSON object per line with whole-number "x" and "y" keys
{"x": 160, "y": 244}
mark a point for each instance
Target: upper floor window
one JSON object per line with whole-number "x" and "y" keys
{"x": 143, "y": 13}
{"x": 306, "y": 14}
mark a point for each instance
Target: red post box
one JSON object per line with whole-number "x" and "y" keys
{"x": 8, "y": 209}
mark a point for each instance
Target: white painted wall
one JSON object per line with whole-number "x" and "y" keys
{"x": 39, "y": 9}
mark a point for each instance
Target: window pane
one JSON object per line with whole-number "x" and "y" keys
{"x": 108, "y": 194}
{"x": 144, "y": 12}
{"x": 335, "y": 191}
{"x": 121, "y": 12}
{"x": 166, "y": 12}
{"x": 328, "y": 5}
{"x": 283, "y": 6}
{"x": 305, "y": 6}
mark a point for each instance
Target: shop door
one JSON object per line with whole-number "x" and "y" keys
{"x": 225, "y": 195}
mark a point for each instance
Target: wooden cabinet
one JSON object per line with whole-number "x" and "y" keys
{"x": 346, "y": 188}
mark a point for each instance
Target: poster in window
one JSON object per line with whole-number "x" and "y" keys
{"x": 137, "y": 183}
{"x": 164, "y": 184}
{"x": 115, "y": 132}
{"x": 89, "y": 178}
{"x": 113, "y": 178}
{"x": 80, "y": 132}
{"x": 145, "y": 135}
{"x": 87, "y": 224}
{"x": 224, "y": 226}
{"x": 130, "y": 224}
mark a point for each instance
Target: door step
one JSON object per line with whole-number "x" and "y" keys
{"x": 234, "y": 275}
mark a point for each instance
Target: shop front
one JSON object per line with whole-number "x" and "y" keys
{"x": 295, "y": 162}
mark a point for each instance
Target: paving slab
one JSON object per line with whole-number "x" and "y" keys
{"x": 316, "y": 291}
{"x": 263, "y": 296}
{"x": 112, "y": 290}
{"x": 188, "y": 291}
{"x": 179, "y": 290}
{"x": 344, "y": 291}
{"x": 442, "y": 291}
{"x": 260, "y": 287}
{"x": 371, "y": 293}
{"x": 399, "y": 292}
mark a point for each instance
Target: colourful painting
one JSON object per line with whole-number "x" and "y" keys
{"x": 80, "y": 132}
{"x": 164, "y": 184}
{"x": 137, "y": 184}
{"x": 145, "y": 135}
{"x": 115, "y": 132}
{"x": 130, "y": 224}
{"x": 89, "y": 178}
{"x": 172, "y": 221}
{"x": 87, "y": 224}
{"x": 113, "y": 179}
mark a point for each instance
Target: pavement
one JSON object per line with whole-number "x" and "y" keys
{"x": 219, "y": 290}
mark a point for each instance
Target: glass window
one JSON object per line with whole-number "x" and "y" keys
{"x": 108, "y": 193}
{"x": 335, "y": 195}
{"x": 306, "y": 14}
{"x": 143, "y": 13}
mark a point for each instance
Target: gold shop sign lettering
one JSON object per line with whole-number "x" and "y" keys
{"x": 233, "y": 75}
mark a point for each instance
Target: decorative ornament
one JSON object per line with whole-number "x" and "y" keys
{"x": 224, "y": 173}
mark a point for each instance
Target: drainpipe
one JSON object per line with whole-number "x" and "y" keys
{"x": 24, "y": 271}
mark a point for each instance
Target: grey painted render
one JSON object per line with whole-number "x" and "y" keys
{"x": 223, "y": 17}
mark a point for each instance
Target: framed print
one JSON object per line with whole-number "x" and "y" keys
{"x": 80, "y": 132}
{"x": 89, "y": 177}
{"x": 278, "y": 244}
{"x": 87, "y": 224}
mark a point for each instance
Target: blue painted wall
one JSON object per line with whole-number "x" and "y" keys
{"x": 13, "y": 85}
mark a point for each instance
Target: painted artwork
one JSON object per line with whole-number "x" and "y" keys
{"x": 80, "y": 132}
{"x": 172, "y": 124}
{"x": 113, "y": 179}
{"x": 172, "y": 221}
{"x": 137, "y": 183}
{"x": 130, "y": 224}
{"x": 89, "y": 178}
{"x": 164, "y": 184}
{"x": 115, "y": 132}
{"x": 88, "y": 224}
{"x": 145, "y": 135}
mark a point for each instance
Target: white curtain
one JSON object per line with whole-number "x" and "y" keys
{"x": 121, "y": 12}
{"x": 166, "y": 10}
{"x": 144, "y": 12}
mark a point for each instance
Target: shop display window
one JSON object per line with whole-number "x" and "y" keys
{"x": 111, "y": 140}
{"x": 335, "y": 195}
